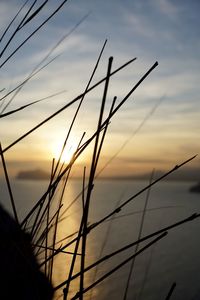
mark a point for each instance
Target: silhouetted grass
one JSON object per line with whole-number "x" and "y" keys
{"x": 139, "y": 237}
{"x": 44, "y": 218}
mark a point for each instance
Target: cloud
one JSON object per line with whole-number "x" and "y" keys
{"x": 140, "y": 25}
{"x": 7, "y": 12}
{"x": 167, "y": 7}
{"x": 154, "y": 21}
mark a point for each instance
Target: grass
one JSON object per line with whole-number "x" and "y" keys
{"x": 44, "y": 220}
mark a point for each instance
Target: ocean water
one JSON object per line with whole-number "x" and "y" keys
{"x": 175, "y": 258}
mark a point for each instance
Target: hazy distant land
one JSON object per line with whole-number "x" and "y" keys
{"x": 185, "y": 175}
{"x": 36, "y": 174}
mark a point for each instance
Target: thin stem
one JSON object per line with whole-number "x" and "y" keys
{"x": 9, "y": 186}
{"x": 118, "y": 151}
{"x": 139, "y": 236}
{"x": 171, "y": 291}
{"x": 91, "y": 179}
{"x": 18, "y": 88}
{"x": 33, "y": 33}
{"x": 83, "y": 189}
{"x": 35, "y": 69}
{"x": 80, "y": 103}
{"x": 65, "y": 106}
{"x": 143, "y": 122}
{"x": 50, "y": 248}
{"x": 120, "y": 265}
{"x": 56, "y": 224}
{"x": 27, "y": 105}
{"x": 9, "y": 25}
{"x": 106, "y": 238}
{"x": 94, "y": 225}
{"x": 167, "y": 228}
{"x": 16, "y": 30}
{"x": 33, "y": 14}
{"x": 47, "y": 221}
{"x": 143, "y": 190}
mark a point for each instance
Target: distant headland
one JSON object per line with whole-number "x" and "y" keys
{"x": 195, "y": 188}
{"x": 36, "y": 174}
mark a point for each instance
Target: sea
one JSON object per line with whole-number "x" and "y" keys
{"x": 174, "y": 259}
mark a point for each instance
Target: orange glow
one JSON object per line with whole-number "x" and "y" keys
{"x": 68, "y": 152}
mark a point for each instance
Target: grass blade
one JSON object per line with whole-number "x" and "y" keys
{"x": 139, "y": 237}
{"x": 171, "y": 291}
{"x": 29, "y": 104}
{"x": 91, "y": 179}
{"x": 65, "y": 106}
{"x": 35, "y": 13}
{"x": 15, "y": 32}
{"x": 9, "y": 25}
{"x": 33, "y": 33}
{"x": 9, "y": 186}
{"x": 120, "y": 265}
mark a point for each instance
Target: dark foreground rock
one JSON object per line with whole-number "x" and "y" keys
{"x": 20, "y": 277}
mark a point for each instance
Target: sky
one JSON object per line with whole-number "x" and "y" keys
{"x": 158, "y": 127}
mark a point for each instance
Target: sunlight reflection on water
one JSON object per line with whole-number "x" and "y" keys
{"x": 175, "y": 258}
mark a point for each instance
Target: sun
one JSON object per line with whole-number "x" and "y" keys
{"x": 67, "y": 153}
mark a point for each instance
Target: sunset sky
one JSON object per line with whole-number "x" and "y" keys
{"x": 159, "y": 123}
